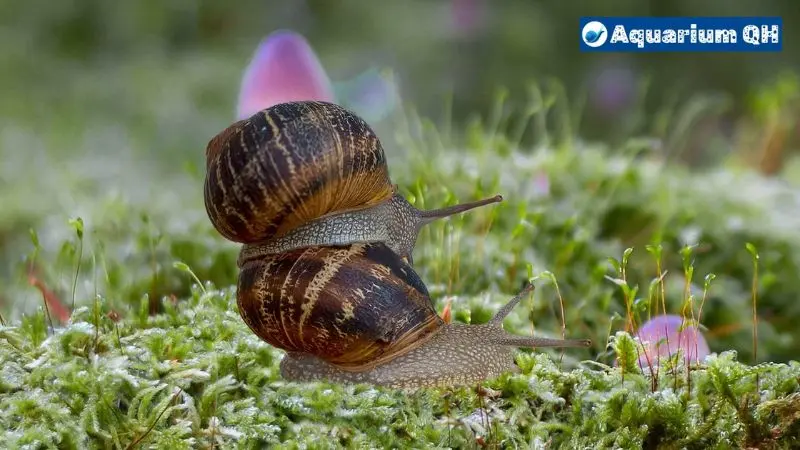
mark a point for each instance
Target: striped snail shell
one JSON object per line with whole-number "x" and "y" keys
{"x": 289, "y": 165}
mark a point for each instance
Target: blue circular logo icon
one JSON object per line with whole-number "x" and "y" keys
{"x": 594, "y": 34}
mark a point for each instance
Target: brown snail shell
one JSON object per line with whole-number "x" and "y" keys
{"x": 354, "y": 306}
{"x": 289, "y": 165}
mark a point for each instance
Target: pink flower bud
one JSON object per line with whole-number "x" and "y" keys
{"x": 541, "y": 184}
{"x": 613, "y": 88}
{"x": 284, "y": 68}
{"x": 662, "y": 336}
{"x": 469, "y": 17}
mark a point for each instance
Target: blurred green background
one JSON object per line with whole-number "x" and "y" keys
{"x": 105, "y": 101}
{"x": 465, "y": 47}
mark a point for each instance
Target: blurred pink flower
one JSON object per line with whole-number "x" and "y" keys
{"x": 613, "y": 87}
{"x": 284, "y": 68}
{"x": 468, "y": 17}
{"x": 541, "y": 184}
{"x": 662, "y": 336}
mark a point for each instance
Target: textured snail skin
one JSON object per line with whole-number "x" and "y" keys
{"x": 395, "y": 222}
{"x": 367, "y": 225}
{"x": 458, "y": 354}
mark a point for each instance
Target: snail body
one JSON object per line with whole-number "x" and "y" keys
{"x": 325, "y": 271}
{"x": 395, "y": 222}
{"x": 360, "y": 313}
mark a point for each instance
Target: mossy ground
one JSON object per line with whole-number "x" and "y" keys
{"x": 194, "y": 377}
{"x": 155, "y": 354}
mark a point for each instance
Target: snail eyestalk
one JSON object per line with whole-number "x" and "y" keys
{"x": 514, "y": 340}
{"x": 533, "y": 342}
{"x": 425, "y": 217}
{"x": 408, "y": 221}
{"x": 508, "y": 307}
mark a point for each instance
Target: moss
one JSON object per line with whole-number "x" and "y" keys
{"x": 196, "y": 377}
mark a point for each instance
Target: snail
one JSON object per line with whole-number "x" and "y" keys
{"x": 309, "y": 173}
{"x": 325, "y": 271}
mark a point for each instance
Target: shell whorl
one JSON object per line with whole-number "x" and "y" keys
{"x": 290, "y": 164}
{"x": 354, "y": 306}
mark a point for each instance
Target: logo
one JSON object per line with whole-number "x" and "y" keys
{"x": 594, "y": 34}
{"x": 681, "y": 34}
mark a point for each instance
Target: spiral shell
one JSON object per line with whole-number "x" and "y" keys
{"x": 291, "y": 164}
{"x": 353, "y": 306}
